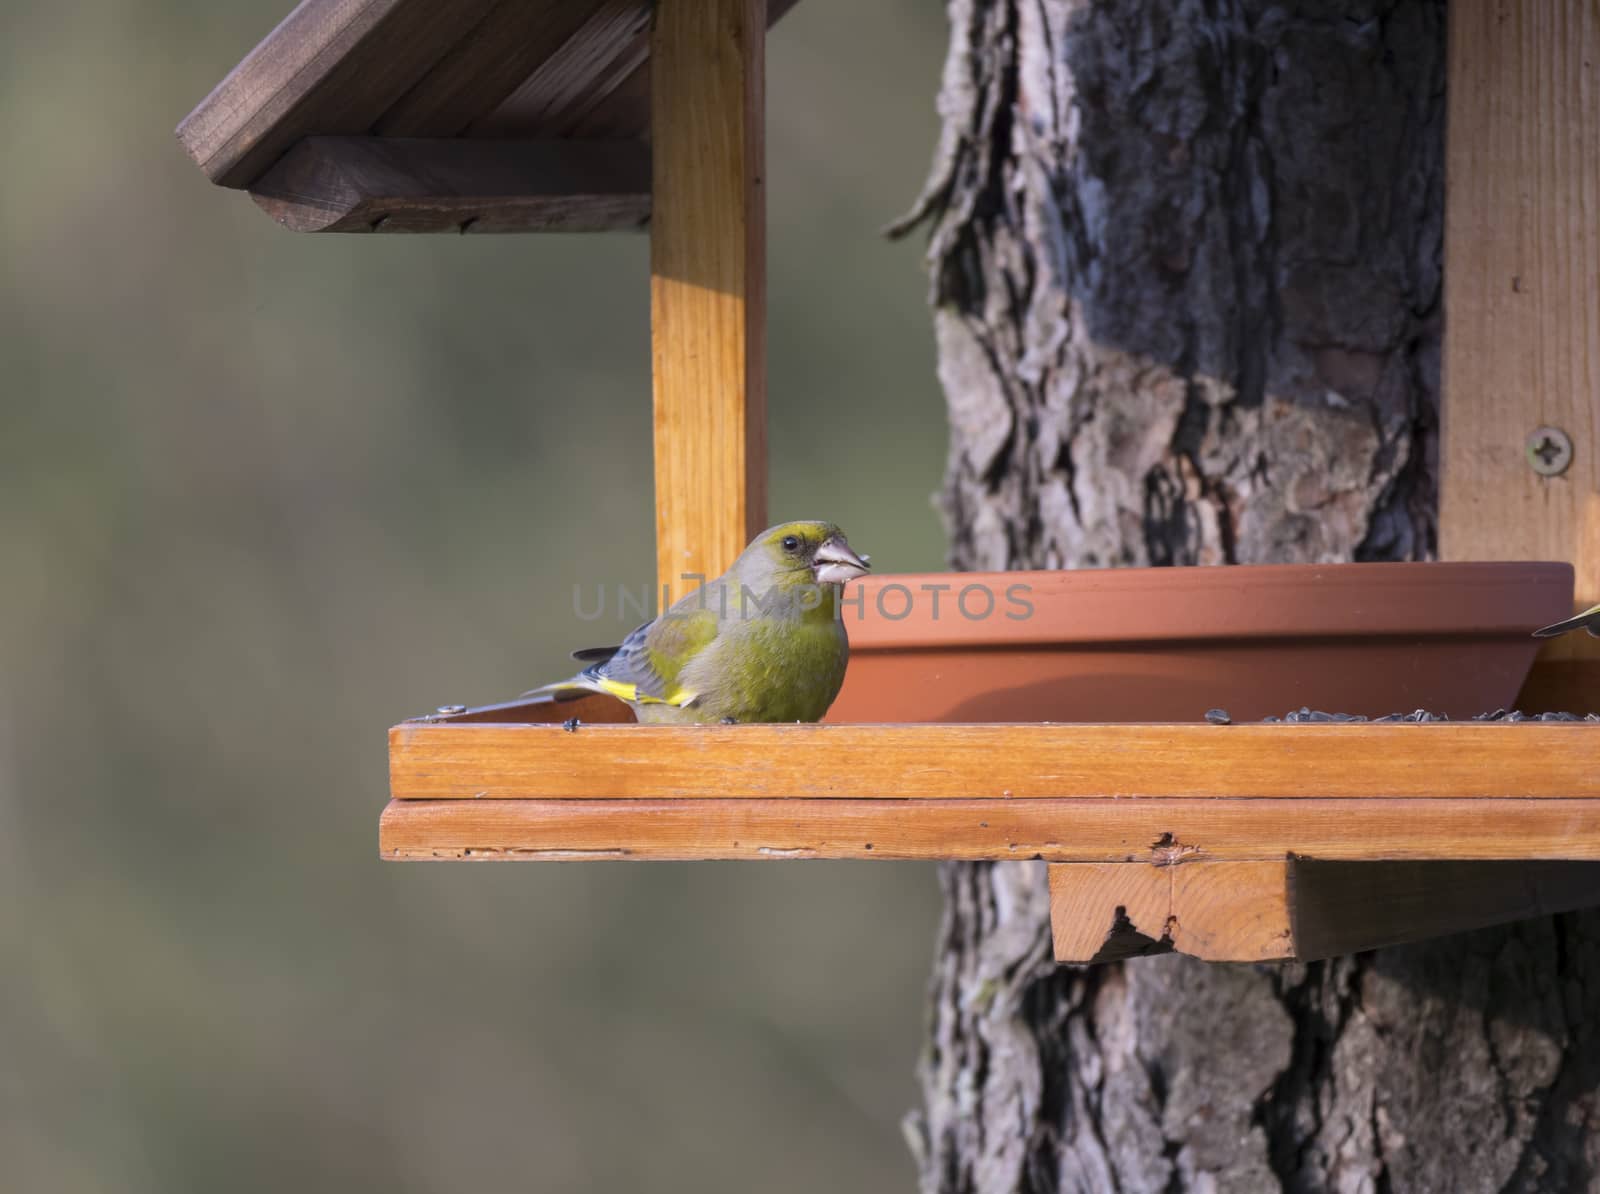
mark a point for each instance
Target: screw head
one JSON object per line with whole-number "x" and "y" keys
{"x": 447, "y": 710}
{"x": 1549, "y": 451}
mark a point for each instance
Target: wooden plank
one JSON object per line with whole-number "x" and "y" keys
{"x": 625, "y": 110}
{"x": 606, "y": 48}
{"x": 1300, "y": 908}
{"x": 1071, "y": 830}
{"x": 1341, "y": 908}
{"x": 1522, "y": 296}
{"x": 525, "y": 69}
{"x": 332, "y": 67}
{"x": 487, "y": 66}
{"x": 708, "y": 283}
{"x": 1540, "y": 760}
{"x": 621, "y": 111}
{"x": 364, "y": 184}
{"x": 1217, "y": 911}
{"x": 596, "y": 85}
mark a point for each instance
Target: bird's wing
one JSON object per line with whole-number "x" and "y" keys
{"x": 647, "y": 666}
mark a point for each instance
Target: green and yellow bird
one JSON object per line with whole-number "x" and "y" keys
{"x": 763, "y": 642}
{"x": 1588, "y": 620}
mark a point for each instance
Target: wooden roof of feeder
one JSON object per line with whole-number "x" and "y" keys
{"x": 440, "y": 116}
{"x": 1241, "y": 842}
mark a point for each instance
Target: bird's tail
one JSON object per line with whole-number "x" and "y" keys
{"x": 581, "y": 685}
{"x": 574, "y": 689}
{"x": 1588, "y": 620}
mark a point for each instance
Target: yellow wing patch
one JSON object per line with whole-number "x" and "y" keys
{"x": 630, "y": 692}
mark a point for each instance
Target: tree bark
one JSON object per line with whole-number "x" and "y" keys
{"x": 1185, "y": 266}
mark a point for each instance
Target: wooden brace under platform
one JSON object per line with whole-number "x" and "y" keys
{"x": 1297, "y": 909}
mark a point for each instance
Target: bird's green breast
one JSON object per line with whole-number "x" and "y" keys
{"x": 770, "y": 669}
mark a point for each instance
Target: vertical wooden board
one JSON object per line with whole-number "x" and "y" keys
{"x": 708, "y": 282}
{"x": 1522, "y": 288}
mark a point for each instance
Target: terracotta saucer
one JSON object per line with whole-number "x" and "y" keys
{"x": 1167, "y": 644}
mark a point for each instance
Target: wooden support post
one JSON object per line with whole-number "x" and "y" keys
{"x": 708, "y": 282}
{"x": 1522, "y": 306}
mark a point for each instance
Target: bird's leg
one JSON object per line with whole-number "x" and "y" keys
{"x": 730, "y": 721}
{"x": 571, "y": 725}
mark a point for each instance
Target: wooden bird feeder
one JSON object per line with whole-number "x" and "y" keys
{"x": 1242, "y": 842}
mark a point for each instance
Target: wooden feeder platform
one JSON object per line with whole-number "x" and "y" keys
{"x": 1231, "y": 843}
{"x": 1244, "y": 842}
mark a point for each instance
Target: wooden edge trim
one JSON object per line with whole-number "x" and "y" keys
{"x": 1083, "y": 830}
{"x": 367, "y": 184}
{"x": 997, "y": 762}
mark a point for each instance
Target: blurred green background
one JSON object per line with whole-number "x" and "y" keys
{"x": 265, "y": 495}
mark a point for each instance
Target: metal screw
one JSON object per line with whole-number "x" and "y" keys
{"x": 447, "y": 710}
{"x": 1549, "y": 451}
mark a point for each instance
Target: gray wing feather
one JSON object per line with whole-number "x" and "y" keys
{"x": 630, "y": 664}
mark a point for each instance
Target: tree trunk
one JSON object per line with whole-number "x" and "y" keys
{"x": 1186, "y": 281}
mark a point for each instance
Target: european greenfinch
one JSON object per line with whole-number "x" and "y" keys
{"x": 763, "y": 642}
{"x": 1589, "y": 620}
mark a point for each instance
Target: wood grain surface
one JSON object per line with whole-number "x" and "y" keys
{"x": 1522, "y": 296}
{"x": 1340, "y": 908}
{"x": 1296, "y": 908}
{"x": 332, "y": 67}
{"x": 708, "y": 283}
{"x": 519, "y": 69}
{"x": 1545, "y": 760}
{"x": 1218, "y": 911}
{"x": 393, "y": 184}
{"x": 1062, "y": 830}
{"x": 495, "y": 61}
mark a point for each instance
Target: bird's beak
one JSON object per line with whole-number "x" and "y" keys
{"x": 835, "y": 563}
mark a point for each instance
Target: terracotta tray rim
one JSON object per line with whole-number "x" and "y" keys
{"x": 1297, "y": 603}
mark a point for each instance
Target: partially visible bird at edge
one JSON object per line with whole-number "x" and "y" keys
{"x": 765, "y": 641}
{"x": 1588, "y": 620}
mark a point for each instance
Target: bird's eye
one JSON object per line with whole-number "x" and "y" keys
{"x": 791, "y": 543}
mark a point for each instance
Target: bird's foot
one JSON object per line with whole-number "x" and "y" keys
{"x": 730, "y": 721}
{"x": 571, "y": 725}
